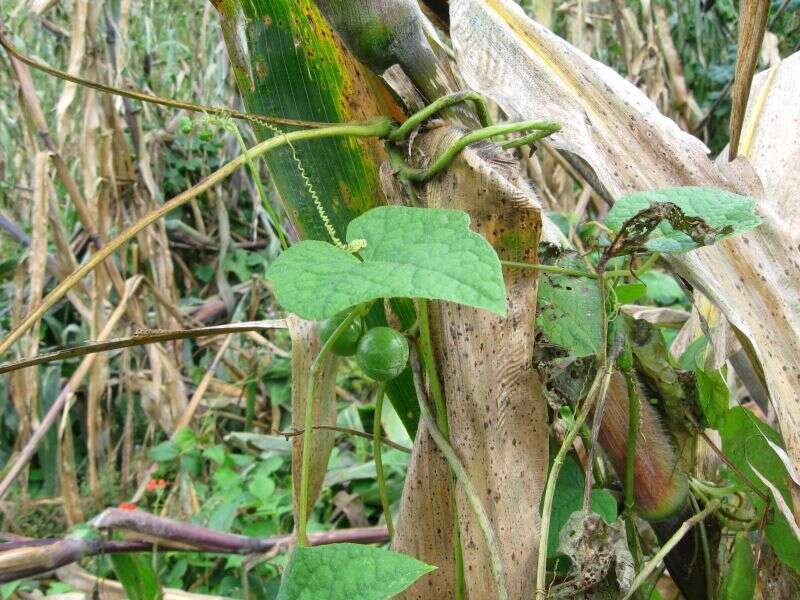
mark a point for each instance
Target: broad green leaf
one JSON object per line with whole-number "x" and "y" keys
{"x": 348, "y": 572}
{"x": 164, "y": 452}
{"x": 629, "y": 292}
{"x": 662, "y": 288}
{"x": 136, "y": 576}
{"x": 410, "y": 252}
{"x": 718, "y": 208}
{"x": 739, "y": 582}
{"x": 713, "y": 396}
{"x": 569, "y": 498}
{"x": 743, "y": 442}
{"x": 569, "y": 312}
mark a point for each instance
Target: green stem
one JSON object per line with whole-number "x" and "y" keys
{"x": 602, "y": 358}
{"x": 562, "y": 270}
{"x": 377, "y": 128}
{"x": 441, "y": 162}
{"x": 634, "y": 407}
{"x": 600, "y": 383}
{"x": 463, "y": 479}
{"x": 432, "y": 376}
{"x": 704, "y": 545}
{"x": 149, "y": 98}
{"x": 526, "y": 140}
{"x": 648, "y": 264}
{"x": 547, "y": 269}
{"x": 429, "y": 363}
{"x": 273, "y": 215}
{"x": 377, "y": 451}
{"x": 654, "y": 562}
{"x": 308, "y": 427}
{"x": 438, "y": 105}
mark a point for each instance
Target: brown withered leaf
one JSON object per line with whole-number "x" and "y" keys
{"x": 497, "y": 415}
{"x": 753, "y": 278}
{"x": 305, "y": 347}
{"x": 425, "y": 520}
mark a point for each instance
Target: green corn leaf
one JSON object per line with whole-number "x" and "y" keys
{"x": 744, "y": 442}
{"x": 410, "y": 252}
{"x": 569, "y": 498}
{"x": 136, "y": 576}
{"x": 348, "y": 572}
{"x": 740, "y": 581}
{"x": 720, "y": 210}
{"x": 288, "y": 63}
{"x": 569, "y": 312}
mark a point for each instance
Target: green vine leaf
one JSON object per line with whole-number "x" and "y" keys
{"x": 348, "y": 572}
{"x": 740, "y": 581}
{"x": 745, "y": 441}
{"x": 569, "y": 312}
{"x": 410, "y": 252}
{"x": 708, "y": 214}
{"x": 569, "y": 499}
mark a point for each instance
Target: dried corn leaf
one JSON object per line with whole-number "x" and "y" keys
{"x": 305, "y": 347}
{"x": 425, "y": 523}
{"x": 753, "y": 278}
{"x": 497, "y": 417}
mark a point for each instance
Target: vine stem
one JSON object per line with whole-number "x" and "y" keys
{"x": 377, "y": 452}
{"x": 308, "y": 429}
{"x": 377, "y": 128}
{"x": 150, "y": 98}
{"x": 441, "y": 162}
{"x": 432, "y": 376}
{"x": 634, "y": 409}
{"x": 439, "y": 104}
{"x": 600, "y": 383}
{"x": 653, "y": 563}
{"x": 463, "y": 479}
{"x": 562, "y": 270}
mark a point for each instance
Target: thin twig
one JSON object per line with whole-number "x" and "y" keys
{"x": 654, "y": 562}
{"x": 377, "y": 128}
{"x": 149, "y": 98}
{"x": 348, "y": 431}
{"x": 140, "y": 339}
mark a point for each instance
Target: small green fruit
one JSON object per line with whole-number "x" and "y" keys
{"x": 206, "y": 134}
{"x": 347, "y": 343}
{"x": 382, "y": 353}
{"x": 186, "y": 126}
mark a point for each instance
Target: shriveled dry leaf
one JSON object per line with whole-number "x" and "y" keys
{"x": 752, "y": 24}
{"x": 305, "y": 347}
{"x": 657, "y": 315}
{"x": 497, "y": 416}
{"x": 753, "y": 278}
{"x": 425, "y": 521}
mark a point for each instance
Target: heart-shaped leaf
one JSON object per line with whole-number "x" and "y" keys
{"x": 410, "y": 252}
{"x": 348, "y": 572}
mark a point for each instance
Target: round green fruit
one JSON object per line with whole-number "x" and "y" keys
{"x": 347, "y": 343}
{"x": 382, "y": 353}
{"x": 186, "y": 126}
{"x": 206, "y": 134}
